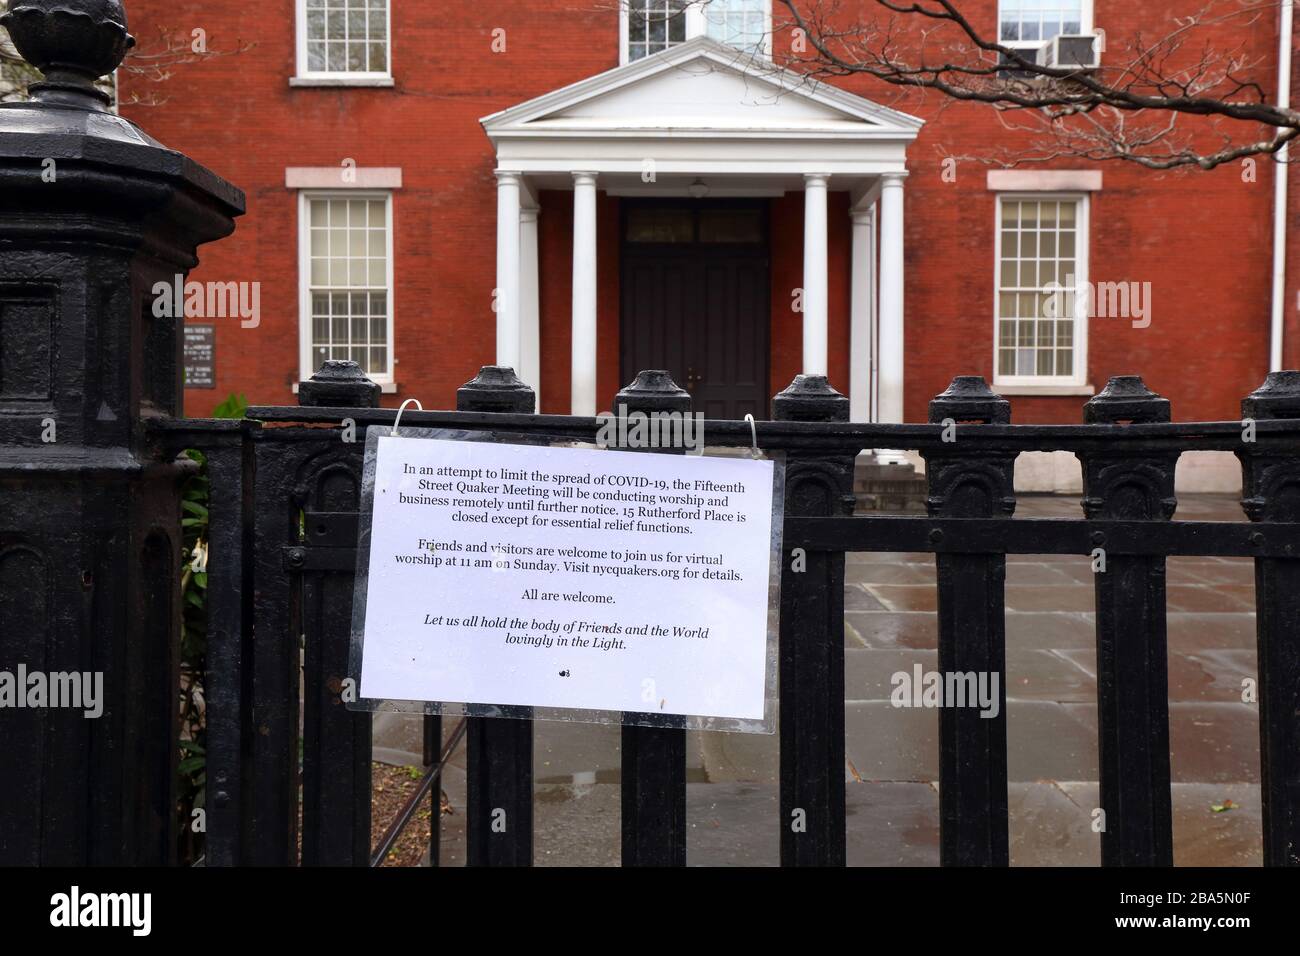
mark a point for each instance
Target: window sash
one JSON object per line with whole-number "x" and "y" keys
{"x": 1037, "y": 248}
{"x": 739, "y": 23}
{"x": 651, "y": 26}
{"x": 346, "y": 281}
{"x": 1031, "y": 23}
{"x": 344, "y": 39}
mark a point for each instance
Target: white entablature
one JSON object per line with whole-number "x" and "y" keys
{"x": 702, "y": 108}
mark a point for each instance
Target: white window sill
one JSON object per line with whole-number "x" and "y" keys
{"x": 1044, "y": 391}
{"x": 385, "y": 388}
{"x": 341, "y": 81}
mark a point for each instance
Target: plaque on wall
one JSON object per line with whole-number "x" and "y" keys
{"x": 200, "y": 356}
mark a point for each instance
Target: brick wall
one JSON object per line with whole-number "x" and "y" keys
{"x": 1202, "y": 239}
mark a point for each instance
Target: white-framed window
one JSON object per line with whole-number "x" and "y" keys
{"x": 344, "y": 39}
{"x": 1041, "y": 324}
{"x": 346, "y": 277}
{"x": 651, "y": 26}
{"x": 1026, "y": 24}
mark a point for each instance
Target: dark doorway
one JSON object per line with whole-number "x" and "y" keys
{"x": 695, "y": 287}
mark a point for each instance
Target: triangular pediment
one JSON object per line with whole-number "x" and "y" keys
{"x": 702, "y": 86}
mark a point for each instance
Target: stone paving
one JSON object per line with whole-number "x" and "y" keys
{"x": 892, "y": 754}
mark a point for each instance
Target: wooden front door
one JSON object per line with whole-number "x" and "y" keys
{"x": 695, "y": 287}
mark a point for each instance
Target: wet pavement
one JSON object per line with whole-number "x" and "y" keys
{"x": 891, "y": 754}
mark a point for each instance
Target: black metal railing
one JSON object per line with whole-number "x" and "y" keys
{"x": 286, "y": 486}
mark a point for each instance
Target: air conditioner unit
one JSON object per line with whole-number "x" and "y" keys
{"x": 1071, "y": 51}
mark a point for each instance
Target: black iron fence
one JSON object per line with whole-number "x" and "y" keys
{"x": 286, "y": 486}
{"x": 95, "y": 217}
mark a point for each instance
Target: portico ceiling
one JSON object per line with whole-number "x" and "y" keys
{"x": 696, "y": 109}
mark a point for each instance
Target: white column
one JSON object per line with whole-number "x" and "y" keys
{"x": 530, "y": 337}
{"x": 891, "y": 298}
{"x": 583, "y": 394}
{"x": 815, "y": 294}
{"x": 862, "y": 334}
{"x": 507, "y": 298}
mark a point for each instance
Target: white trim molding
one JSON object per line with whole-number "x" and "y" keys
{"x": 343, "y": 177}
{"x": 701, "y": 109}
{"x": 1045, "y": 180}
{"x": 305, "y": 77}
{"x": 1047, "y": 391}
{"x": 321, "y": 82}
{"x": 1046, "y": 384}
{"x": 306, "y": 365}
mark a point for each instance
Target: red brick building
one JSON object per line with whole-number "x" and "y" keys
{"x": 680, "y": 205}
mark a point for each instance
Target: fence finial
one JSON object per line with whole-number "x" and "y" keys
{"x": 969, "y": 399}
{"x": 339, "y": 384}
{"x": 1126, "y": 398}
{"x": 72, "y": 42}
{"x": 496, "y": 388}
{"x": 810, "y": 398}
{"x": 1278, "y": 397}
{"x": 653, "y": 390}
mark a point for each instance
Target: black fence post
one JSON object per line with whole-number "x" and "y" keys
{"x": 1132, "y": 656}
{"x": 229, "y": 642}
{"x": 432, "y": 752}
{"x": 95, "y": 218}
{"x": 499, "y": 750}
{"x": 812, "y": 641}
{"x": 971, "y": 480}
{"x": 654, "y": 758}
{"x": 336, "y": 762}
{"x": 1271, "y": 495}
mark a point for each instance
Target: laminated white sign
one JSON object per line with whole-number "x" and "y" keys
{"x": 589, "y": 584}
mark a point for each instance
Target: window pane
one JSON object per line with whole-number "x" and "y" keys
{"x": 348, "y": 280}
{"x": 731, "y": 225}
{"x": 660, "y": 225}
{"x": 1037, "y": 264}
{"x": 1035, "y": 21}
{"x": 347, "y": 36}
{"x": 636, "y": 21}
{"x": 739, "y": 23}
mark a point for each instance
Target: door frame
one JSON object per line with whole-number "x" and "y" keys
{"x": 630, "y": 250}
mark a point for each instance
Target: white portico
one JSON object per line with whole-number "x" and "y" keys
{"x": 702, "y": 119}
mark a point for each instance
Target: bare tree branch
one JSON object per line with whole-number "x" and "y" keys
{"x": 1127, "y": 109}
{"x": 153, "y": 61}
